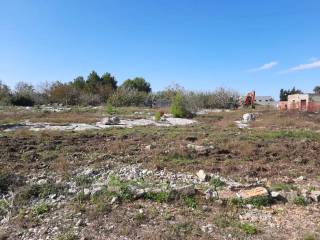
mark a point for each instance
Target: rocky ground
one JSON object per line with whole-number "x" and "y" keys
{"x": 209, "y": 180}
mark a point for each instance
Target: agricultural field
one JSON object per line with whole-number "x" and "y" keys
{"x": 202, "y": 178}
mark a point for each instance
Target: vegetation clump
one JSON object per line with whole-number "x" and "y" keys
{"x": 178, "y": 107}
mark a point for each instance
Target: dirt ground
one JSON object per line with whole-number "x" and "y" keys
{"x": 48, "y": 179}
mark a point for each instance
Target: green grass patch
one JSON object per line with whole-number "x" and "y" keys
{"x": 300, "y": 200}
{"x": 83, "y": 180}
{"x": 4, "y": 206}
{"x": 256, "y": 202}
{"x": 217, "y": 183}
{"x": 37, "y": 191}
{"x": 282, "y": 187}
{"x": 190, "y": 201}
{"x": 248, "y": 228}
{"x": 159, "y": 197}
{"x": 40, "y": 208}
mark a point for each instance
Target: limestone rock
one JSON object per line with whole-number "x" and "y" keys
{"x": 254, "y": 192}
{"x": 211, "y": 194}
{"x": 248, "y": 117}
{"x": 203, "y": 177}
{"x": 202, "y": 150}
{"x": 110, "y": 120}
{"x": 188, "y": 190}
{"x": 315, "y": 196}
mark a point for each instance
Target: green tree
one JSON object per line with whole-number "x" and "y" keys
{"x": 79, "y": 83}
{"x": 137, "y": 83}
{"x": 5, "y": 94}
{"x": 24, "y": 95}
{"x": 316, "y": 90}
{"x": 109, "y": 80}
{"x": 284, "y": 93}
{"x": 178, "y": 106}
{"x": 92, "y": 82}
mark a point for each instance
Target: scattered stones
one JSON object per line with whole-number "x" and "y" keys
{"x": 113, "y": 200}
{"x": 149, "y": 147}
{"x": 207, "y": 228}
{"x": 211, "y": 194}
{"x": 86, "y": 191}
{"x": 301, "y": 178}
{"x": 255, "y": 192}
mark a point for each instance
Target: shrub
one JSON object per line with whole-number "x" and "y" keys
{"x": 110, "y": 109}
{"x": 36, "y": 191}
{"x": 124, "y": 97}
{"x": 4, "y": 206}
{"x": 157, "y": 116}
{"x": 8, "y": 180}
{"x": 217, "y": 183}
{"x": 256, "y": 201}
{"x": 248, "y": 228}
{"x": 300, "y": 200}
{"x": 189, "y": 201}
{"x": 178, "y": 107}
{"x": 24, "y": 95}
{"x": 67, "y": 236}
{"x": 5, "y": 94}
{"x": 83, "y": 180}
{"x": 40, "y": 208}
{"x": 157, "y": 197}
{"x": 20, "y": 100}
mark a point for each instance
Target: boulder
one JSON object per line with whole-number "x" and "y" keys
{"x": 226, "y": 194}
{"x": 279, "y": 196}
{"x": 201, "y": 150}
{"x": 248, "y": 117}
{"x": 254, "y": 192}
{"x": 289, "y": 196}
{"x": 110, "y": 120}
{"x": 187, "y": 190}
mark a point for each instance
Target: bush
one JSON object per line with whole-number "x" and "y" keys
{"x": 5, "y": 94}
{"x": 9, "y": 180}
{"x": 25, "y": 101}
{"x": 300, "y": 200}
{"x": 124, "y": 97}
{"x": 24, "y": 95}
{"x": 157, "y": 116}
{"x": 40, "y": 208}
{"x": 178, "y": 107}
{"x": 248, "y": 228}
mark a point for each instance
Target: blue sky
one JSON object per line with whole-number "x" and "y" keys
{"x": 263, "y": 45}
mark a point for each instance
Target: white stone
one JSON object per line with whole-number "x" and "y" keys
{"x": 202, "y": 176}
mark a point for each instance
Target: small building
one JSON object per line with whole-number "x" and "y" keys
{"x": 301, "y": 102}
{"x": 264, "y": 100}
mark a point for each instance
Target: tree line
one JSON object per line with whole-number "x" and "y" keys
{"x": 93, "y": 90}
{"x": 284, "y": 93}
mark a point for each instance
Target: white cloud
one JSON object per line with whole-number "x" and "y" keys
{"x": 302, "y": 67}
{"x": 264, "y": 67}
{"x": 313, "y": 59}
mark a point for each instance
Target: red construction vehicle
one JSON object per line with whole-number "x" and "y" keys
{"x": 248, "y": 100}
